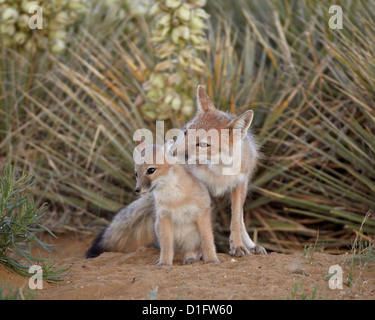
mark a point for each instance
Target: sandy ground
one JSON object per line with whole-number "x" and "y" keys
{"x": 135, "y": 276}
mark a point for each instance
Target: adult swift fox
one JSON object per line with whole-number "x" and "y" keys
{"x": 182, "y": 206}
{"x": 216, "y": 147}
{"x": 132, "y": 226}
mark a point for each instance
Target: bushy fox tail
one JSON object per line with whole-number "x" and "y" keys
{"x": 131, "y": 228}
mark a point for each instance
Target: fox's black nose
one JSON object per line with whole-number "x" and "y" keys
{"x": 138, "y": 190}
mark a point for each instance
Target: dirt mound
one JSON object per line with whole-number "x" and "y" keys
{"x": 135, "y": 276}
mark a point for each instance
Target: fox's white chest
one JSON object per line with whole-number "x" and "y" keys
{"x": 217, "y": 183}
{"x": 185, "y": 232}
{"x": 181, "y": 214}
{"x": 169, "y": 194}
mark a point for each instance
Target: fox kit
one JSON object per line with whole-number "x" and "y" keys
{"x": 133, "y": 226}
{"x": 182, "y": 206}
{"x": 208, "y": 118}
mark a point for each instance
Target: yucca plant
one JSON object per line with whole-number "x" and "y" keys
{"x": 318, "y": 134}
{"x": 178, "y": 35}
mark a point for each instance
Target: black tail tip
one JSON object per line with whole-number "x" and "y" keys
{"x": 96, "y": 248}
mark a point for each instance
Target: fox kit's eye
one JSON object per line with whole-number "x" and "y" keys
{"x": 151, "y": 170}
{"x": 136, "y": 175}
{"x": 202, "y": 144}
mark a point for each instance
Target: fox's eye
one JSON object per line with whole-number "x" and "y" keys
{"x": 202, "y": 144}
{"x": 136, "y": 175}
{"x": 151, "y": 170}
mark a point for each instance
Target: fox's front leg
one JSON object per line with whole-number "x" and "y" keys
{"x": 164, "y": 231}
{"x": 207, "y": 237}
{"x": 237, "y": 247}
{"x": 240, "y": 247}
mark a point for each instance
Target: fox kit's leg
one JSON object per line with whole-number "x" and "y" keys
{"x": 207, "y": 237}
{"x": 240, "y": 242}
{"x": 164, "y": 231}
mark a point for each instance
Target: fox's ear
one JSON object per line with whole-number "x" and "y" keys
{"x": 242, "y": 122}
{"x": 143, "y": 140}
{"x": 140, "y": 146}
{"x": 168, "y": 145}
{"x": 204, "y": 103}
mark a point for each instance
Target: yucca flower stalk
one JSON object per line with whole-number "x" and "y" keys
{"x": 178, "y": 36}
{"x": 126, "y": 7}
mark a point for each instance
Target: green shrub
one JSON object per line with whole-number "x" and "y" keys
{"x": 20, "y": 221}
{"x": 7, "y": 292}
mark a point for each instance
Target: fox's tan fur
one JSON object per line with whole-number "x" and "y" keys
{"x": 133, "y": 226}
{"x": 182, "y": 209}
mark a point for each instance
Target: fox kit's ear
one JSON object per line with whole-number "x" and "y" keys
{"x": 242, "y": 122}
{"x": 204, "y": 103}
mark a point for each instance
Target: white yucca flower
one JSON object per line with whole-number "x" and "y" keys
{"x": 178, "y": 36}
{"x": 56, "y": 16}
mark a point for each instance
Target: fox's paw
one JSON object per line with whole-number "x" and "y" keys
{"x": 158, "y": 263}
{"x": 258, "y": 250}
{"x": 238, "y": 251}
{"x": 190, "y": 260}
{"x": 217, "y": 261}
